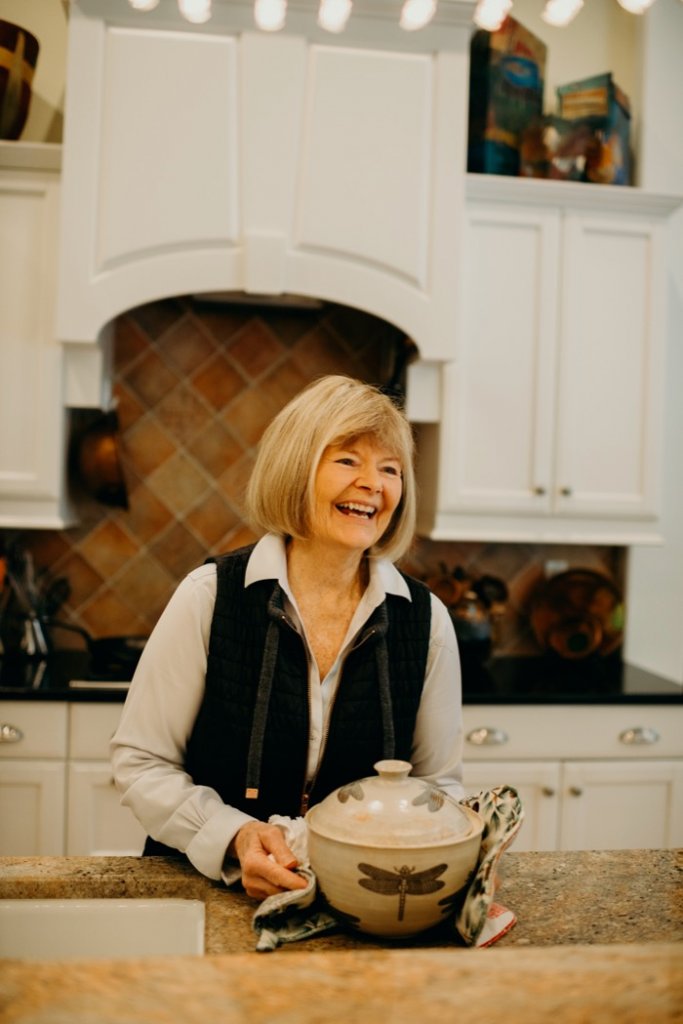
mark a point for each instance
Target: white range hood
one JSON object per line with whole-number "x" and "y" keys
{"x": 217, "y": 158}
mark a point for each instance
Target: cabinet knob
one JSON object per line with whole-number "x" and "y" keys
{"x": 576, "y": 790}
{"x": 10, "y": 733}
{"x": 539, "y": 490}
{"x": 487, "y": 736}
{"x": 640, "y": 734}
{"x": 547, "y": 791}
{"x": 566, "y": 492}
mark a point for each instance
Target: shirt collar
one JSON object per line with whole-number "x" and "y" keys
{"x": 268, "y": 561}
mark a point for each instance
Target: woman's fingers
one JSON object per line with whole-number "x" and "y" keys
{"x": 266, "y": 860}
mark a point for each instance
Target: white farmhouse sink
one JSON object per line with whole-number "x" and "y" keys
{"x": 34, "y": 929}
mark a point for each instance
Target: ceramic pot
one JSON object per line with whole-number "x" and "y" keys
{"x": 392, "y": 854}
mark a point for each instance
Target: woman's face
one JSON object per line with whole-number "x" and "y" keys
{"x": 358, "y": 486}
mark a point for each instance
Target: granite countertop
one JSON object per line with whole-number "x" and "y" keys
{"x": 599, "y": 937}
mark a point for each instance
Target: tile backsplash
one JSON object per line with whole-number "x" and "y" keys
{"x": 196, "y": 383}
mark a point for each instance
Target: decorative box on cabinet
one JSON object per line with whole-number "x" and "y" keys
{"x": 33, "y": 748}
{"x": 551, "y": 407}
{"x": 97, "y": 824}
{"x": 32, "y": 416}
{"x": 590, "y": 777}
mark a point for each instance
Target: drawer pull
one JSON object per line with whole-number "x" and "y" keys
{"x": 10, "y": 733}
{"x": 576, "y": 791}
{"x": 547, "y": 791}
{"x": 639, "y": 735}
{"x": 486, "y": 736}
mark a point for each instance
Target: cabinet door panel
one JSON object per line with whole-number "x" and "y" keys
{"x": 610, "y": 368}
{"x": 32, "y": 808}
{"x": 31, "y": 417}
{"x": 499, "y": 393}
{"x": 538, "y": 786}
{"x": 622, "y": 805}
{"x": 97, "y": 823}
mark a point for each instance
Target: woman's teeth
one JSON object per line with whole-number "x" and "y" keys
{"x": 355, "y": 509}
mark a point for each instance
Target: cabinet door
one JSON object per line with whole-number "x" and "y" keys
{"x": 538, "y": 786}
{"x": 610, "y": 372}
{"x": 31, "y": 808}
{"x": 97, "y": 823}
{"x": 618, "y": 805}
{"x": 497, "y": 432}
{"x": 31, "y": 415}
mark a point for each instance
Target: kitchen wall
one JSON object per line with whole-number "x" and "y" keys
{"x": 196, "y": 385}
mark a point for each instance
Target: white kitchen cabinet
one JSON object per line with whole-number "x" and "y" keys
{"x": 590, "y": 777}
{"x": 33, "y": 745}
{"x": 56, "y": 790}
{"x": 32, "y": 416}
{"x": 97, "y": 824}
{"x": 551, "y": 425}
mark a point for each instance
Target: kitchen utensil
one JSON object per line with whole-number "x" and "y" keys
{"x": 578, "y": 613}
{"x": 392, "y": 854}
{"x": 448, "y": 586}
{"x": 111, "y": 657}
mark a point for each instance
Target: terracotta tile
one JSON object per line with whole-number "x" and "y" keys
{"x": 215, "y": 448}
{"x": 129, "y": 408}
{"x": 129, "y": 342}
{"x": 182, "y": 414}
{"x": 285, "y": 381}
{"x": 319, "y": 353}
{"x": 108, "y": 548}
{"x": 212, "y": 517}
{"x": 221, "y": 323}
{"x": 147, "y": 446}
{"x": 150, "y": 378}
{"x": 291, "y": 324}
{"x": 107, "y": 615}
{"x": 178, "y": 483}
{"x": 255, "y": 349}
{"x": 233, "y": 482}
{"x": 186, "y": 346}
{"x": 145, "y": 584}
{"x": 218, "y": 382}
{"x": 157, "y": 317}
{"x": 178, "y": 551}
{"x": 47, "y": 547}
{"x": 83, "y": 579}
{"x": 234, "y": 539}
{"x": 250, "y": 414}
{"x": 146, "y": 515}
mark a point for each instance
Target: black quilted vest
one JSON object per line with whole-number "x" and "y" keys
{"x": 252, "y": 728}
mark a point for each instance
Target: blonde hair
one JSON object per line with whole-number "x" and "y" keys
{"x": 331, "y": 411}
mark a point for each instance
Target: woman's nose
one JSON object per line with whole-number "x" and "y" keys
{"x": 370, "y": 480}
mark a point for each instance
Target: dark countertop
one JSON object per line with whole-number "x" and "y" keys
{"x": 500, "y": 680}
{"x": 599, "y": 937}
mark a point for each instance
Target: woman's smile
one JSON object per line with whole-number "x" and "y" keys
{"x": 358, "y": 487}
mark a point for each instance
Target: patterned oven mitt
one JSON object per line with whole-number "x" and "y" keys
{"x": 293, "y": 916}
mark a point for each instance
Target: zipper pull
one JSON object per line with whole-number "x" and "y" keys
{"x": 305, "y": 798}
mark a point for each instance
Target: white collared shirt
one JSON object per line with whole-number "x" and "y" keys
{"x": 148, "y": 748}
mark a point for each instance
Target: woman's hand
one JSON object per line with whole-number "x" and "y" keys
{"x": 262, "y": 876}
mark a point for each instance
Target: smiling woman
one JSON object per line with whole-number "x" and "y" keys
{"x": 286, "y": 669}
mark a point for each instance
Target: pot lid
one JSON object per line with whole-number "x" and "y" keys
{"x": 390, "y": 809}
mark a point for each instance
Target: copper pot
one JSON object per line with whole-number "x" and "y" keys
{"x": 18, "y": 55}
{"x": 96, "y": 462}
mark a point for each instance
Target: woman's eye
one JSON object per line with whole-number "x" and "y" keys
{"x": 345, "y": 461}
{"x": 392, "y": 470}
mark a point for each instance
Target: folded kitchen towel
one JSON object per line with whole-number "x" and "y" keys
{"x": 299, "y": 914}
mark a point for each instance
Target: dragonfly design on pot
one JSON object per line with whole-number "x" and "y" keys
{"x": 402, "y": 882}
